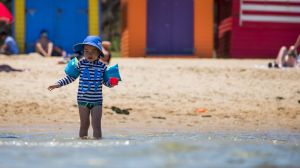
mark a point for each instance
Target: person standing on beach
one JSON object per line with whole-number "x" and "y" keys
{"x": 89, "y": 94}
{"x": 9, "y": 46}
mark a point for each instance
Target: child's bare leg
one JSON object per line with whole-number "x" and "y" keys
{"x": 96, "y": 121}
{"x": 84, "y": 114}
{"x": 282, "y": 52}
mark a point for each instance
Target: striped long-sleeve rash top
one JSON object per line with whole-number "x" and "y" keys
{"x": 90, "y": 81}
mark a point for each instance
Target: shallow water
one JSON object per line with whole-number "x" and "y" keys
{"x": 62, "y": 149}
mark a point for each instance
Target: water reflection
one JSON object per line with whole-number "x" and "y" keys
{"x": 151, "y": 150}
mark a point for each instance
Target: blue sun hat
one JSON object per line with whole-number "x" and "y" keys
{"x": 112, "y": 71}
{"x": 94, "y": 41}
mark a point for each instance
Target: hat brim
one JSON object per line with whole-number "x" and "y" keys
{"x": 79, "y": 48}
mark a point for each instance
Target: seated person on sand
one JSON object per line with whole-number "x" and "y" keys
{"x": 287, "y": 57}
{"x": 9, "y": 45}
{"x": 106, "y": 51}
{"x": 46, "y": 48}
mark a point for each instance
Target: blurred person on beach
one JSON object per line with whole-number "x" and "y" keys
{"x": 9, "y": 46}
{"x": 46, "y": 48}
{"x": 287, "y": 57}
{"x": 89, "y": 95}
{"x": 106, "y": 52}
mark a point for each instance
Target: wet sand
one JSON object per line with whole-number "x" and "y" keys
{"x": 161, "y": 95}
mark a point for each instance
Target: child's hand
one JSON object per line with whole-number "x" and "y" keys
{"x": 53, "y": 87}
{"x": 113, "y": 81}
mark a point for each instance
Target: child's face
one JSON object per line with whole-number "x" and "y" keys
{"x": 91, "y": 53}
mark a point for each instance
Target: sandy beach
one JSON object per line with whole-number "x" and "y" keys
{"x": 160, "y": 94}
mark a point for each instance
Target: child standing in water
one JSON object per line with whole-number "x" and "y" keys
{"x": 89, "y": 94}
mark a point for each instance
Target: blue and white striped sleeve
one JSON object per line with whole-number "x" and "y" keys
{"x": 66, "y": 80}
{"x": 107, "y": 84}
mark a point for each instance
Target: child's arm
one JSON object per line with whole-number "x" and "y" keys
{"x": 62, "y": 82}
{"x": 66, "y": 80}
{"x": 51, "y": 87}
